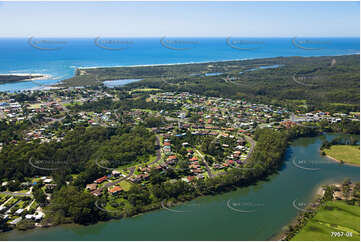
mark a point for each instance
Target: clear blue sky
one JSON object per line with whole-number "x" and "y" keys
{"x": 199, "y": 19}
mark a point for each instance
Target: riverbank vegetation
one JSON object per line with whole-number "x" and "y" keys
{"x": 336, "y": 220}
{"x": 344, "y": 150}
{"x": 344, "y": 153}
{"x": 111, "y": 147}
{"x": 334, "y": 216}
{"x": 160, "y": 193}
{"x": 164, "y": 192}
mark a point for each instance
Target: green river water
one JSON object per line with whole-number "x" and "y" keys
{"x": 258, "y": 212}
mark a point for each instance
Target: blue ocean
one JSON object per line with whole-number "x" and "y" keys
{"x": 59, "y": 57}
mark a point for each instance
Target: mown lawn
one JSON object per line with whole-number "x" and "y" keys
{"x": 346, "y": 153}
{"x": 334, "y": 216}
{"x": 146, "y": 90}
{"x": 125, "y": 185}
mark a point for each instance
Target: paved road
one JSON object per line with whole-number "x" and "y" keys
{"x": 2, "y": 205}
{"x": 131, "y": 169}
{"x": 230, "y": 81}
{"x": 253, "y": 143}
{"x": 53, "y": 120}
{"x": 301, "y": 83}
{"x": 159, "y": 156}
{"x": 206, "y": 164}
{"x": 215, "y": 139}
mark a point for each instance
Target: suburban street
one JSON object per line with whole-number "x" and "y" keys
{"x": 205, "y": 163}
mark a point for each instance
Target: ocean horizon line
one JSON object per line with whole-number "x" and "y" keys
{"x": 199, "y": 37}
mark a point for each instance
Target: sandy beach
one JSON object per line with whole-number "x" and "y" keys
{"x": 37, "y": 76}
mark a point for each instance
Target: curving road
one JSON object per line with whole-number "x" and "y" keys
{"x": 205, "y": 163}
{"x": 253, "y": 143}
{"x": 131, "y": 169}
{"x": 159, "y": 155}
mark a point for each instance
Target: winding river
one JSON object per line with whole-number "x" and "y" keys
{"x": 258, "y": 212}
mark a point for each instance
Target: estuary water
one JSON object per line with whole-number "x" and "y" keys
{"x": 257, "y": 212}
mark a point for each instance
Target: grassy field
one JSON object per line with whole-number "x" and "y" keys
{"x": 125, "y": 185}
{"x": 145, "y": 90}
{"x": 36, "y": 105}
{"x": 334, "y": 216}
{"x": 347, "y": 153}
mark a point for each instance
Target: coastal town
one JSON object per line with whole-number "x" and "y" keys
{"x": 179, "y": 120}
{"x": 226, "y": 127}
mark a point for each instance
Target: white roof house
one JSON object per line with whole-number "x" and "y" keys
{"x": 49, "y": 180}
{"x": 17, "y": 220}
{"x": 29, "y": 216}
{"x": 19, "y": 211}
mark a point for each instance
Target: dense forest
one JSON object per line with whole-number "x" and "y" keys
{"x": 124, "y": 104}
{"x": 10, "y": 132}
{"x": 77, "y": 153}
{"x": 299, "y": 83}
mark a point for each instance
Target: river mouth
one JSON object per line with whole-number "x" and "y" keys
{"x": 257, "y": 212}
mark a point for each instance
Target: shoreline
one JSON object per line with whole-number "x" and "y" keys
{"x": 278, "y": 237}
{"x": 318, "y": 192}
{"x": 84, "y": 68}
{"x": 60, "y": 81}
{"x": 344, "y": 163}
{"x": 38, "y": 76}
{"x": 205, "y": 62}
{"x": 317, "y": 198}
